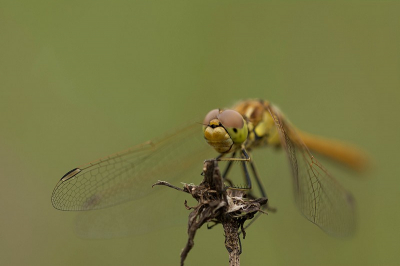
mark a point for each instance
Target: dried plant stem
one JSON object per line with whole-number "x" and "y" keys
{"x": 221, "y": 205}
{"x": 232, "y": 244}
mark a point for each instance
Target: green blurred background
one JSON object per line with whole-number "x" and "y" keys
{"x": 83, "y": 79}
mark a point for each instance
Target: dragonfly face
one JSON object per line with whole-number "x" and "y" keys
{"x": 225, "y": 130}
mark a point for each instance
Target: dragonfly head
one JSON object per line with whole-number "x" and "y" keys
{"x": 224, "y": 130}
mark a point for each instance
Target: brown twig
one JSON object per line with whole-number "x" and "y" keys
{"x": 232, "y": 244}
{"x": 219, "y": 204}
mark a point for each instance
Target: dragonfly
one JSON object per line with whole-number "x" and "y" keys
{"x": 116, "y": 195}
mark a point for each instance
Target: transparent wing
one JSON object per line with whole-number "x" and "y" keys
{"x": 320, "y": 198}
{"x": 124, "y": 180}
{"x": 129, "y": 175}
{"x": 163, "y": 208}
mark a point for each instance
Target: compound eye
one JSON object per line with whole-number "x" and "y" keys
{"x": 231, "y": 119}
{"x": 213, "y": 114}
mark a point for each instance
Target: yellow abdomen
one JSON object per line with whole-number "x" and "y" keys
{"x": 339, "y": 151}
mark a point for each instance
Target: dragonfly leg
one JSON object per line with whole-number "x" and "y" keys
{"x": 259, "y": 183}
{"x": 226, "y": 171}
{"x": 218, "y": 158}
{"x": 240, "y": 246}
{"x": 260, "y": 186}
{"x": 263, "y": 194}
{"x": 244, "y": 159}
{"x": 228, "y": 167}
{"x": 258, "y": 214}
{"x": 246, "y": 172}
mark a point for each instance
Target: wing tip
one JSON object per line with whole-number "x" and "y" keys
{"x": 70, "y": 174}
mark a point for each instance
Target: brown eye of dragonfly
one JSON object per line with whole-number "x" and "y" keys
{"x": 213, "y": 114}
{"x": 231, "y": 119}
